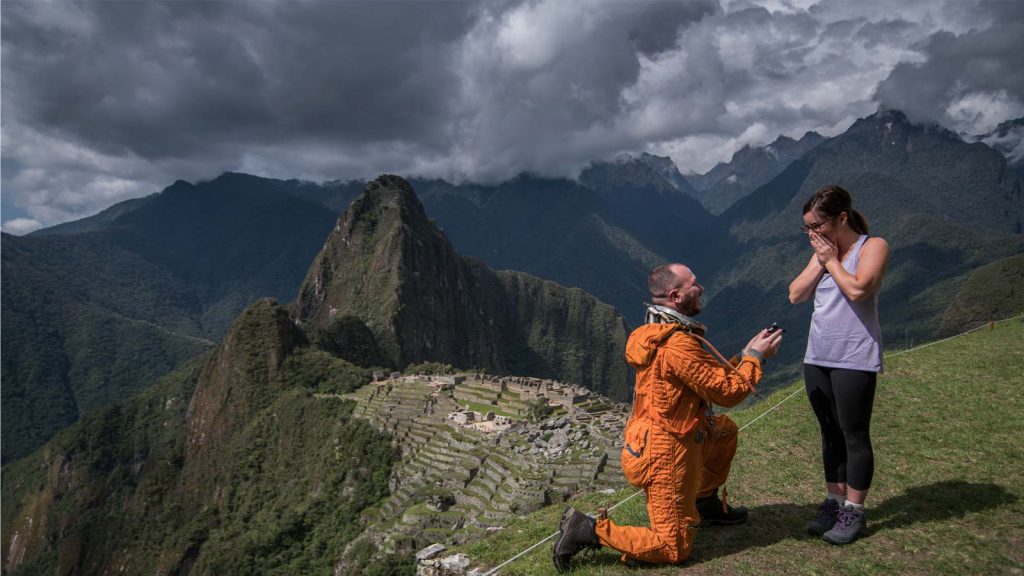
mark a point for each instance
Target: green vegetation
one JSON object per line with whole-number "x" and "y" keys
{"x": 564, "y": 333}
{"x": 350, "y": 338}
{"x": 80, "y": 334}
{"x": 539, "y": 409}
{"x": 198, "y": 472}
{"x": 485, "y": 408}
{"x": 319, "y": 371}
{"x": 431, "y": 368}
{"x": 94, "y": 311}
{"x": 991, "y": 292}
{"x": 947, "y": 495}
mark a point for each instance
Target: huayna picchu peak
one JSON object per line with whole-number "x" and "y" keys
{"x": 386, "y": 264}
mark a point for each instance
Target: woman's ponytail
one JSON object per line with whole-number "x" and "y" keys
{"x": 858, "y": 222}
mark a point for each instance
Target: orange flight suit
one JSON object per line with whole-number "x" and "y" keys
{"x": 689, "y": 455}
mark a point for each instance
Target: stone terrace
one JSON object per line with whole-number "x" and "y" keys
{"x": 454, "y": 482}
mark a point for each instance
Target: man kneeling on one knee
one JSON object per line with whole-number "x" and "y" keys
{"x": 674, "y": 448}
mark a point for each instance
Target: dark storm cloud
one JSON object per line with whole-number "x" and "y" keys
{"x": 970, "y": 81}
{"x": 884, "y": 32}
{"x": 655, "y": 28}
{"x": 165, "y": 79}
{"x": 107, "y": 100}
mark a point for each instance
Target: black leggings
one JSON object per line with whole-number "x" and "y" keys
{"x": 842, "y": 401}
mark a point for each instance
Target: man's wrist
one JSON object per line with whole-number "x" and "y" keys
{"x": 755, "y": 353}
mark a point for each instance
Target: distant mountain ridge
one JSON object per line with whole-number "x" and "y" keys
{"x": 749, "y": 168}
{"x": 1008, "y": 139}
{"x": 99, "y": 308}
{"x": 663, "y": 166}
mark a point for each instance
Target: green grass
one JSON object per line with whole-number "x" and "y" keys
{"x": 946, "y": 496}
{"x": 485, "y": 408}
{"x": 478, "y": 390}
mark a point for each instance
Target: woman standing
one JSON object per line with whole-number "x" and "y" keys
{"x": 844, "y": 353}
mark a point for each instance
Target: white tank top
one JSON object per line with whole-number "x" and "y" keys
{"x": 844, "y": 334}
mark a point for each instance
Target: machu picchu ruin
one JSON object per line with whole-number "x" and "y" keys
{"x": 477, "y": 449}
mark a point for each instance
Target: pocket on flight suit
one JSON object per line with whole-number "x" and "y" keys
{"x": 636, "y": 461}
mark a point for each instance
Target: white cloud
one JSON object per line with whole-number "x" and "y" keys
{"x": 21, "y": 226}
{"x": 966, "y": 80}
{"x": 976, "y": 112}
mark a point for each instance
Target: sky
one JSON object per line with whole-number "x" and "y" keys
{"x": 111, "y": 100}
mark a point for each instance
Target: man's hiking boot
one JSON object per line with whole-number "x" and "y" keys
{"x": 850, "y": 523}
{"x": 826, "y": 518}
{"x": 713, "y": 511}
{"x": 576, "y": 533}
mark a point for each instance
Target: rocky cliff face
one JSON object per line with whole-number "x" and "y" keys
{"x": 387, "y": 264}
{"x": 563, "y": 333}
{"x": 243, "y": 377}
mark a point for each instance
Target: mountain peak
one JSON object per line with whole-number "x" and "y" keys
{"x": 390, "y": 191}
{"x": 889, "y": 115}
{"x": 892, "y": 128}
{"x": 179, "y": 186}
{"x": 386, "y": 264}
{"x": 749, "y": 168}
{"x": 629, "y": 170}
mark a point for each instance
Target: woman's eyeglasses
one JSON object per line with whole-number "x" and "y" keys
{"x": 815, "y": 226}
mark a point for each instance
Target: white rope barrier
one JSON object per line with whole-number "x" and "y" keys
{"x": 494, "y": 570}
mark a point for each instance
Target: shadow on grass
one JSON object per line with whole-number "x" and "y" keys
{"x": 766, "y": 525}
{"x": 938, "y": 501}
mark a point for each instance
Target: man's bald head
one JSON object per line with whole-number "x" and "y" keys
{"x": 674, "y": 285}
{"x": 665, "y": 278}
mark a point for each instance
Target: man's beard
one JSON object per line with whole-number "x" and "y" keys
{"x": 692, "y": 308}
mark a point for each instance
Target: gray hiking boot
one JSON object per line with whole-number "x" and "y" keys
{"x": 850, "y": 523}
{"x": 576, "y": 533}
{"x": 828, "y": 511}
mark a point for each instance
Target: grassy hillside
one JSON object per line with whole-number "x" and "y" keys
{"x": 947, "y": 494}
{"x": 85, "y": 324}
{"x": 990, "y": 292}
